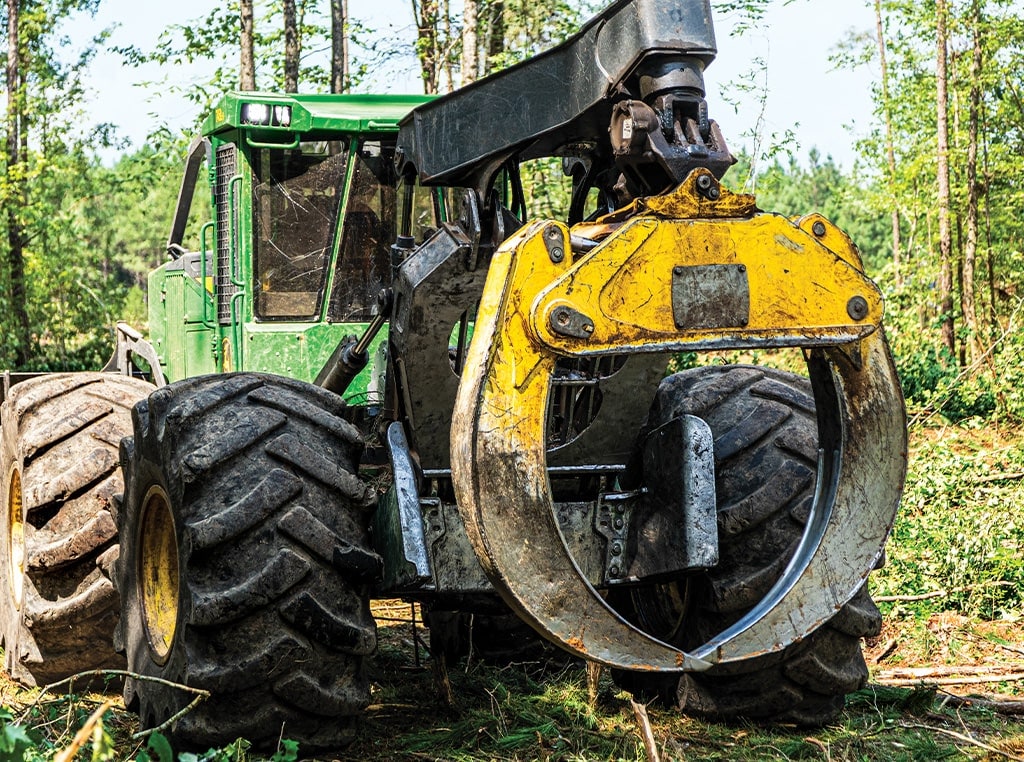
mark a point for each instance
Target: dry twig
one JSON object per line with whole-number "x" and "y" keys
{"x": 200, "y": 695}
{"x": 83, "y": 734}
{"x": 994, "y": 703}
{"x": 962, "y": 737}
{"x": 887, "y": 650}
{"x": 821, "y": 746}
{"x": 646, "y": 731}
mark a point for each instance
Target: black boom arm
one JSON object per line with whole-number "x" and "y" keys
{"x": 627, "y": 90}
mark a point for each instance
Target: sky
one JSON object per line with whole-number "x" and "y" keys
{"x": 827, "y": 109}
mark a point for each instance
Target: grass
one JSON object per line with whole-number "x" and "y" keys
{"x": 958, "y": 538}
{"x": 542, "y": 712}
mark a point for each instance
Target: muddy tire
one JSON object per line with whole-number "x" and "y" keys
{"x": 58, "y": 463}
{"x": 765, "y": 436}
{"x": 245, "y": 555}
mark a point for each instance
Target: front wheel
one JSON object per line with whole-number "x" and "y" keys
{"x": 245, "y": 554}
{"x": 765, "y": 435}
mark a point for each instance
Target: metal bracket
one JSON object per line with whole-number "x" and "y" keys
{"x": 566, "y": 321}
{"x": 398, "y": 526}
{"x": 131, "y": 343}
{"x": 681, "y": 531}
{"x": 612, "y": 521}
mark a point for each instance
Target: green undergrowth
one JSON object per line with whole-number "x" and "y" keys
{"x": 540, "y": 711}
{"x": 959, "y": 533}
{"x": 525, "y": 713}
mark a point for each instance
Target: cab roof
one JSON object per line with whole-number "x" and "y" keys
{"x": 308, "y": 113}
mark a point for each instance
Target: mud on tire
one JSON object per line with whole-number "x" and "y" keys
{"x": 765, "y": 435}
{"x": 60, "y": 477}
{"x": 244, "y": 557}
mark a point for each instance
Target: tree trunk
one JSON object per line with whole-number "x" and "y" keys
{"x": 889, "y": 149}
{"x": 339, "y": 46}
{"x": 426, "y": 14}
{"x": 291, "y": 47}
{"x": 495, "y": 35}
{"x": 15, "y": 175}
{"x": 942, "y": 164}
{"x": 447, "y": 46}
{"x": 247, "y": 69}
{"x": 470, "y": 57}
{"x": 974, "y": 189}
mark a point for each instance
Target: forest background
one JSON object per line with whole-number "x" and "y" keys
{"x": 933, "y": 197}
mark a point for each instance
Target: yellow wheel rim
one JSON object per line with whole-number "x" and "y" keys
{"x": 158, "y": 573}
{"x": 16, "y": 539}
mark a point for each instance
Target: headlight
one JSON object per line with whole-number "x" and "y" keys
{"x": 263, "y": 115}
{"x": 255, "y": 113}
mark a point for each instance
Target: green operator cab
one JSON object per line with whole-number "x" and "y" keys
{"x": 305, "y": 203}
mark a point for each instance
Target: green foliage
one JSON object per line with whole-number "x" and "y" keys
{"x": 959, "y": 530}
{"x": 16, "y": 744}
{"x": 159, "y": 749}
{"x": 548, "y": 190}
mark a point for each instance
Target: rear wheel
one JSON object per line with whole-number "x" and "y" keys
{"x": 765, "y": 435}
{"x": 245, "y": 554}
{"x": 60, "y": 474}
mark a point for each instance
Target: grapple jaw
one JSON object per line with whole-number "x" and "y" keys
{"x": 692, "y": 270}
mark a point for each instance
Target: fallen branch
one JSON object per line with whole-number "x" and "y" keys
{"x": 907, "y": 598}
{"x": 646, "y": 732}
{"x": 913, "y": 682}
{"x": 946, "y": 670}
{"x": 942, "y": 593}
{"x": 887, "y": 649}
{"x": 964, "y": 738}
{"x": 992, "y": 702}
{"x": 593, "y": 678}
{"x": 999, "y": 478}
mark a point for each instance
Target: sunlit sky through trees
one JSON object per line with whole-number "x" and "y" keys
{"x": 824, "y": 107}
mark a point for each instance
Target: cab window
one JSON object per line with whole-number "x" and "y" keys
{"x": 364, "y": 262}
{"x": 296, "y": 194}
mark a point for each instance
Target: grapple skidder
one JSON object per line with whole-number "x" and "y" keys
{"x": 375, "y": 377}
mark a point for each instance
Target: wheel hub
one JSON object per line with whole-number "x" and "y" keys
{"x": 158, "y": 573}
{"x": 16, "y": 539}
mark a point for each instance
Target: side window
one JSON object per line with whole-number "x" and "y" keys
{"x": 296, "y": 194}
{"x": 364, "y": 262}
{"x": 429, "y": 207}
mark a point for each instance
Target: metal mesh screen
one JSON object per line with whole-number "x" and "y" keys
{"x": 227, "y": 229}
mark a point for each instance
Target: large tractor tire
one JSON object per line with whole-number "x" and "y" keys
{"x": 59, "y": 466}
{"x": 244, "y": 560}
{"x": 765, "y": 436}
